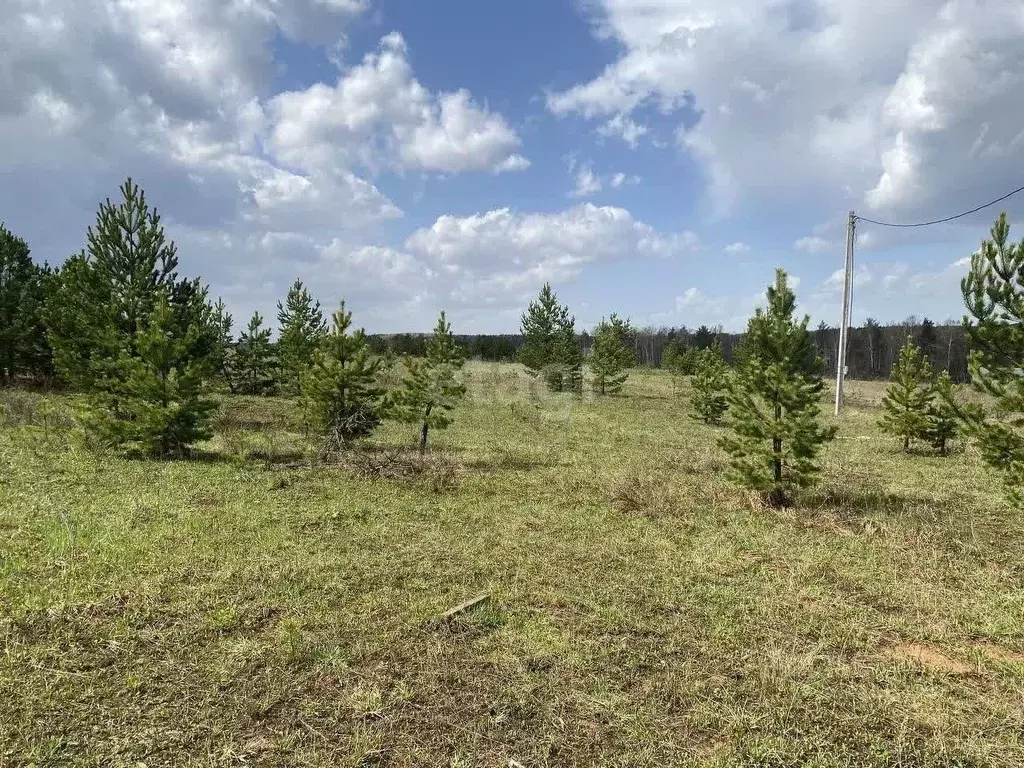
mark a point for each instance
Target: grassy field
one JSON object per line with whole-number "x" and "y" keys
{"x": 250, "y": 608}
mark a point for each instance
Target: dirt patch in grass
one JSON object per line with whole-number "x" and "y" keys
{"x": 996, "y": 653}
{"x": 927, "y": 656}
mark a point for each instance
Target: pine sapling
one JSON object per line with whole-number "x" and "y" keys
{"x": 222, "y": 360}
{"x": 162, "y": 407}
{"x": 710, "y": 386}
{"x": 610, "y": 356}
{"x": 993, "y": 292}
{"x": 255, "y": 366}
{"x": 301, "y": 328}
{"x": 550, "y": 348}
{"x": 907, "y": 400}
{"x": 774, "y": 402}
{"x": 430, "y": 389}
{"x": 341, "y": 394}
{"x": 943, "y": 421}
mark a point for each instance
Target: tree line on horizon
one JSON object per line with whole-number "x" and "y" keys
{"x": 873, "y": 348}
{"x": 146, "y": 347}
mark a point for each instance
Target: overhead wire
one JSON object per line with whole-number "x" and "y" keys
{"x": 941, "y": 221}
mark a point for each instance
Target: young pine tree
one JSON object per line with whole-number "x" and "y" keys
{"x": 943, "y": 423}
{"x": 909, "y": 396}
{"x": 430, "y": 389}
{"x": 565, "y": 374}
{"x": 993, "y": 292}
{"x": 710, "y": 386}
{"x": 104, "y": 310}
{"x": 23, "y": 346}
{"x": 302, "y": 328}
{"x": 678, "y": 360}
{"x": 162, "y": 406}
{"x": 341, "y": 395}
{"x": 222, "y": 360}
{"x": 550, "y": 347}
{"x": 610, "y": 355}
{"x": 774, "y": 402}
{"x": 254, "y": 363}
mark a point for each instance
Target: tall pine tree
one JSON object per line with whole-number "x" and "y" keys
{"x": 103, "y": 313}
{"x": 24, "y": 350}
{"x": 774, "y": 402}
{"x": 928, "y": 340}
{"x": 908, "y": 397}
{"x": 611, "y": 356}
{"x": 993, "y": 292}
{"x": 703, "y": 338}
{"x": 301, "y": 329}
{"x": 342, "y": 397}
{"x": 254, "y": 363}
{"x": 874, "y": 336}
{"x": 430, "y": 389}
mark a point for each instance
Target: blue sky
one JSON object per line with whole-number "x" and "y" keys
{"x": 656, "y": 158}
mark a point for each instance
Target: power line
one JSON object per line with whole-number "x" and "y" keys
{"x": 948, "y": 218}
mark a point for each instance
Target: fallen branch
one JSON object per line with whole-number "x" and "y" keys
{"x": 463, "y": 607}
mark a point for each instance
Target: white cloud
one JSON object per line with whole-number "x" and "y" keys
{"x": 782, "y": 116}
{"x": 503, "y": 256}
{"x": 378, "y": 114}
{"x": 813, "y": 244}
{"x": 514, "y": 162}
{"x": 255, "y": 189}
{"x": 622, "y": 127}
{"x": 587, "y": 183}
{"x": 735, "y": 249}
{"x": 694, "y": 308}
{"x": 618, "y": 180}
{"x": 862, "y": 276}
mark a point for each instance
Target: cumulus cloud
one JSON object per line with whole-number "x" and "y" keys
{"x": 378, "y": 114}
{"x": 256, "y": 188}
{"x": 503, "y": 256}
{"x": 929, "y": 119}
{"x": 735, "y": 249}
{"x": 695, "y": 307}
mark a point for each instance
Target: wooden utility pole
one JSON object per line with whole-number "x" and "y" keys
{"x": 845, "y": 322}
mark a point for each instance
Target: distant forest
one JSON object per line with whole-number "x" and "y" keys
{"x": 873, "y": 347}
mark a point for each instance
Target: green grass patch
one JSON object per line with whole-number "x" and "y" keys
{"x": 252, "y": 607}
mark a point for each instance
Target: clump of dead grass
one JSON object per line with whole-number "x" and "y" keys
{"x": 644, "y": 493}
